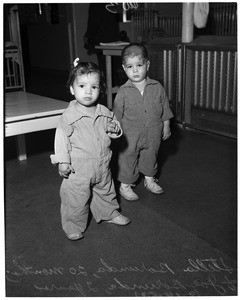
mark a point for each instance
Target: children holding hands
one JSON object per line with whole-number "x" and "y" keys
{"x": 141, "y": 117}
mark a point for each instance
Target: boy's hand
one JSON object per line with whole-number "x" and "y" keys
{"x": 166, "y": 130}
{"x": 114, "y": 129}
{"x": 65, "y": 169}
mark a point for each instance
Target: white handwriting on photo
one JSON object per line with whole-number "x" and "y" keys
{"x": 112, "y": 7}
{"x": 160, "y": 280}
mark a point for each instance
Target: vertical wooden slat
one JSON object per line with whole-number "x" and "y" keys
{"x": 7, "y": 72}
{"x": 227, "y": 88}
{"x": 208, "y": 80}
{"x": 180, "y": 66}
{"x": 15, "y": 82}
{"x": 165, "y": 68}
{"x": 214, "y": 89}
{"x": 221, "y": 82}
{"x": 170, "y": 76}
{"x": 202, "y": 81}
{"x": 196, "y": 88}
{"x": 234, "y": 89}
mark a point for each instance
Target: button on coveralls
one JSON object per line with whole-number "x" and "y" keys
{"x": 83, "y": 142}
{"x": 141, "y": 118}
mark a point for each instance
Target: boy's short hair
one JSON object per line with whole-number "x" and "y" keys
{"x": 134, "y": 49}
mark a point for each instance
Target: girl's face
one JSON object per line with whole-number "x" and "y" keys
{"x": 86, "y": 89}
{"x": 136, "y": 68}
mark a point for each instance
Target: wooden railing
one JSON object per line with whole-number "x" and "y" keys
{"x": 201, "y": 83}
{"x": 13, "y": 71}
{"x": 146, "y": 21}
{"x": 222, "y": 20}
{"x": 13, "y": 61}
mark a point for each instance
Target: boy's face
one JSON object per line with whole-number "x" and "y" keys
{"x": 86, "y": 89}
{"x": 136, "y": 68}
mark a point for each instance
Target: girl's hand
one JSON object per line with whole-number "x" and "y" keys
{"x": 65, "y": 169}
{"x": 166, "y": 130}
{"x": 114, "y": 129}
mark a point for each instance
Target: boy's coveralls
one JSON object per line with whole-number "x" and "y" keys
{"x": 141, "y": 118}
{"x": 83, "y": 142}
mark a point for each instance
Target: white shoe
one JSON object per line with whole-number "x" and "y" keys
{"x": 75, "y": 236}
{"x": 150, "y": 183}
{"x": 119, "y": 220}
{"x": 127, "y": 192}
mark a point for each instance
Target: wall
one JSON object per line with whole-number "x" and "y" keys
{"x": 79, "y": 27}
{"x": 168, "y": 9}
{"x": 49, "y": 47}
{"x": 55, "y": 46}
{"x": 47, "y": 36}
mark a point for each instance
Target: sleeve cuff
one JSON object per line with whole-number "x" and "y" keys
{"x": 167, "y": 116}
{"x": 60, "y": 158}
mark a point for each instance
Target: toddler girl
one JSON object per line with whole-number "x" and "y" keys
{"x": 83, "y": 154}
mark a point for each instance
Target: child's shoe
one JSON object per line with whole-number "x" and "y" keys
{"x": 127, "y": 192}
{"x": 119, "y": 220}
{"x": 75, "y": 236}
{"x": 150, "y": 183}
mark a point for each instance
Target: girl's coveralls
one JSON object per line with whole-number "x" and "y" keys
{"x": 141, "y": 118}
{"x": 83, "y": 142}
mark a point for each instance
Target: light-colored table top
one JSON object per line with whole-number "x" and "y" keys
{"x": 23, "y": 106}
{"x": 111, "y": 50}
{"x": 117, "y": 47}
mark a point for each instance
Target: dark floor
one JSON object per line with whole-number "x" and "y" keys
{"x": 181, "y": 243}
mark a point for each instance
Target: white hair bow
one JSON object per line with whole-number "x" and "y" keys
{"x": 76, "y": 61}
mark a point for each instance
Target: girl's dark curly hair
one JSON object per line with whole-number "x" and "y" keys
{"x": 83, "y": 68}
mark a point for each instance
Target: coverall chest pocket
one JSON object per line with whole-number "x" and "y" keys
{"x": 131, "y": 106}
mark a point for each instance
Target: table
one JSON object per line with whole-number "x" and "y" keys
{"x": 26, "y": 112}
{"x": 109, "y": 51}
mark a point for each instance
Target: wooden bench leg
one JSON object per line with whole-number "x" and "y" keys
{"x": 21, "y": 147}
{"x": 109, "y": 81}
